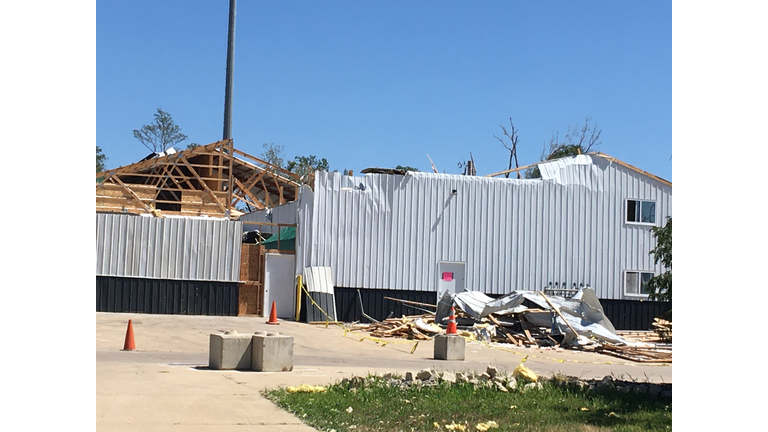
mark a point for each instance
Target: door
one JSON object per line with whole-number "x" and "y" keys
{"x": 450, "y": 277}
{"x": 280, "y": 285}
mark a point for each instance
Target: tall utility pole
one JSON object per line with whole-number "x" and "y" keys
{"x": 230, "y": 72}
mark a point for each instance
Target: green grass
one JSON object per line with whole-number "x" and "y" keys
{"x": 380, "y": 407}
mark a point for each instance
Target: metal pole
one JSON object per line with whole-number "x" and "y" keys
{"x": 230, "y": 72}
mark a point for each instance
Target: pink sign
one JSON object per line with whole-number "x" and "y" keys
{"x": 448, "y": 276}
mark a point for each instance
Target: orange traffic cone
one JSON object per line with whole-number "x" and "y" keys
{"x": 130, "y": 344}
{"x": 451, "y": 323}
{"x": 273, "y": 315}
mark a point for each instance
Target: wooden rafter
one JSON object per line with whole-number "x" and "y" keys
{"x": 133, "y": 194}
{"x": 205, "y": 186}
{"x": 255, "y": 201}
{"x": 189, "y": 177}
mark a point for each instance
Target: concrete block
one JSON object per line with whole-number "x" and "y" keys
{"x": 230, "y": 351}
{"x": 449, "y": 347}
{"x": 272, "y": 352}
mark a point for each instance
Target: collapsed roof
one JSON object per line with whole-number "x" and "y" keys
{"x": 210, "y": 180}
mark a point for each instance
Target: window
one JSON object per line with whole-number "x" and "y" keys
{"x": 641, "y": 211}
{"x": 636, "y": 283}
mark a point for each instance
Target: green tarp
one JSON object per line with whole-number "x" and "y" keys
{"x": 287, "y": 240}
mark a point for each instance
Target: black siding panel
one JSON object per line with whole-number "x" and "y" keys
{"x": 324, "y": 300}
{"x": 376, "y": 306}
{"x": 633, "y": 314}
{"x": 165, "y": 296}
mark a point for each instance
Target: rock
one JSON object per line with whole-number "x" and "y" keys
{"x": 484, "y": 377}
{"x": 409, "y": 376}
{"x": 606, "y": 382}
{"x": 424, "y": 374}
{"x": 491, "y": 371}
{"x": 448, "y": 377}
{"x": 530, "y": 386}
{"x": 500, "y": 387}
{"x": 461, "y": 377}
{"x": 512, "y": 384}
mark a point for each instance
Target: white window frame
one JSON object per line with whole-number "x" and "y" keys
{"x": 640, "y": 202}
{"x": 639, "y": 292}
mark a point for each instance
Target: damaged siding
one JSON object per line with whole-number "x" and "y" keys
{"x": 391, "y": 231}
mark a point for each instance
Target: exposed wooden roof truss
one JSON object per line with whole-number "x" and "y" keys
{"x": 211, "y": 180}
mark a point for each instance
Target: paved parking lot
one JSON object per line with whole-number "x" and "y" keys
{"x": 165, "y": 384}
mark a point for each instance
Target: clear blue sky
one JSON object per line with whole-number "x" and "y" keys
{"x": 382, "y": 83}
{"x": 366, "y": 83}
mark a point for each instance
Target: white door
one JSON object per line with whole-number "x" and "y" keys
{"x": 450, "y": 277}
{"x": 280, "y": 285}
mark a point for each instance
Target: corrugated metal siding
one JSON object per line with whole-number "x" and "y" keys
{"x": 633, "y": 315}
{"x": 374, "y": 304}
{"x": 283, "y": 214}
{"x": 168, "y": 248}
{"x": 389, "y": 231}
{"x": 163, "y": 296}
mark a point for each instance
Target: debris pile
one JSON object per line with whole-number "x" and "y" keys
{"x": 663, "y": 329}
{"x": 418, "y": 327}
{"x": 555, "y": 322}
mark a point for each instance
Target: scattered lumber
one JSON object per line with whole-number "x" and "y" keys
{"x": 404, "y": 327}
{"x": 663, "y": 328}
{"x": 515, "y": 329}
{"x": 640, "y": 355}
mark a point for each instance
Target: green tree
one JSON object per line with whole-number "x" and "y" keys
{"x": 274, "y": 154}
{"x": 406, "y": 168}
{"x": 101, "y": 160}
{"x": 661, "y": 285}
{"x": 303, "y": 165}
{"x": 578, "y": 140}
{"x": 161, "y": 134}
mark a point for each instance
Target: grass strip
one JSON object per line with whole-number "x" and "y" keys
{"x": 380, "y": 404}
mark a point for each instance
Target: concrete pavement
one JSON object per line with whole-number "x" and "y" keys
{"x": 165, "y": 384}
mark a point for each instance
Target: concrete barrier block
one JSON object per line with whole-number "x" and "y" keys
{"x": 272, "y": 352}
{"x": 449, "y": 347}
{"x": 230, "y": 351}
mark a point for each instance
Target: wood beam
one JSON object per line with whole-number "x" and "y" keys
{"x": 136, "y": 197}
{"x": 512, "y": 170}
{"x": 247, "y": 193}
{"x": 213, "y": 195}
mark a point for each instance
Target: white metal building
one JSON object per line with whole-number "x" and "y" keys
{"x": 587, "y": 221}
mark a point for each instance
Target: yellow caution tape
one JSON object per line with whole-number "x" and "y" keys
{"x": 362, "y": 337}
{"x": 469, "y": 337}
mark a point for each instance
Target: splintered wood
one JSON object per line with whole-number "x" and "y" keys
{"x": 641, "y": 355}
{"x": 663, "y": 328}
{"x": 404, "y": 327}
{"x": 515, "y": 329}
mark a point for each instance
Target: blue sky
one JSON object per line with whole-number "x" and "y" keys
{"x": 377, "y": 84}
{"x": 439, "y": 79}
